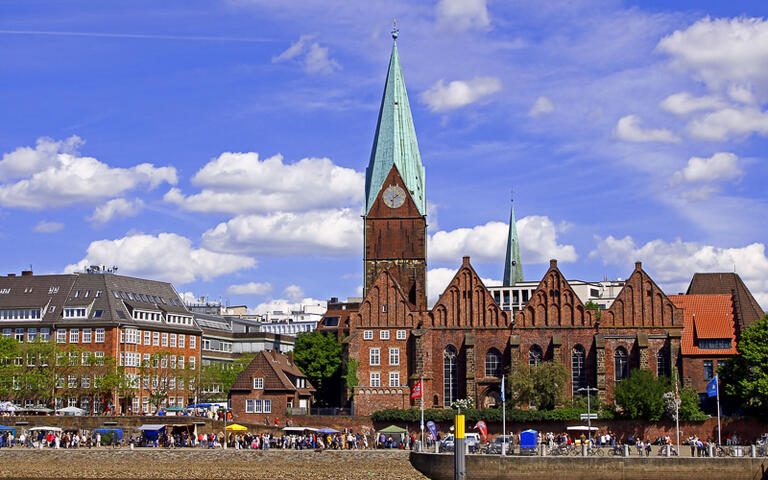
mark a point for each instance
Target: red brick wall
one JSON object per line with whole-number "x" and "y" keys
{"x": 279, "y": 403}
{"x": 693, "y": 371}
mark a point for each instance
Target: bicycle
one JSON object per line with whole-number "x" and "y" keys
{"x": 595, "y": 451}
{"x": 724, "y": 451}
{"x": 616, "y": 451}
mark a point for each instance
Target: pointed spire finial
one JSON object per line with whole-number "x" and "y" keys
{"x": 395, "y": 31}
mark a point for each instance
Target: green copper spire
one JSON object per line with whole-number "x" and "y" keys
{"x": 395, "y": 141}
{"x": 513, "y": 269}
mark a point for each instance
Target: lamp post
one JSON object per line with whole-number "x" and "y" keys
{"x": 589, "y": 408}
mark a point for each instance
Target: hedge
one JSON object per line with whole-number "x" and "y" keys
{"x": 413, "y": 415}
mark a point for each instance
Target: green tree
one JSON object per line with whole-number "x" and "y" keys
{"x": 350, "y": 375}
{"x": 319, "y": 357}
{"x": 542, "y": 386}
{"x": 745, "y": 377}
{"x": 590, "y": 305}
{"x": 641, "y": 395}
{"x": 217, "y": 378}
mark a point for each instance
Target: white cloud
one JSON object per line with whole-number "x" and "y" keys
{"x": 166, "y": 256}
{"x": 250, "y": 288}
{"x": 673, "y": 264}
{"x": 684, "y": 103}
{"x": 285, "y": 305}
{"x": 439, "y": 278}
{"x": 722, "y": 124}
{"x": 459, "y": 93}
{"x": 54, "y": 175}
{"x": 44, "y": 226}
{"x": 315, "y": 58}
{"x": 742, "y": 94}
{"x": 543, "y": 105}
{"x": 189, "y": 298}
{"x": 487, "y": 243}
{"x": 116, "y": 208}
{"x": 722, "y": 50}
{"x": 720, "y": 166}
{"x": 293, "y": 292}
{"x": 242, "y": 183}
{"x": 318, "y": 232}
{"x": 630, "y": 129}
{"x": 462, "y": 14}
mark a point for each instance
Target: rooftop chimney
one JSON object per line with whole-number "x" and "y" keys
{"x": 26, "y": 273}
{"x": 638, "y": 265}
{"x": 465, "y": 259}
{"x": 553, "y": 263}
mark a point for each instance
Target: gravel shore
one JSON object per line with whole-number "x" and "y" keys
{"x": 189, "y": 464}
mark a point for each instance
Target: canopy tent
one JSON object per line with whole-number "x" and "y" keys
{"x": 299, "y": 429}
{"x": 393, "y": 429}
{"x": 200, "y": 405}
{"x": 8, "y": 407}
{"x": 175, "y": 409}
{"x": 151, "y": 427}
{"x": 71, "y": 411}
{"x": 3, "y": 428}
{"x": 581, "y": 428}
{"x": 236, "y": 427}
{"x": 38, "y": 409}
{"x": 46, "y": 429}
{"x": 327, "y": 430}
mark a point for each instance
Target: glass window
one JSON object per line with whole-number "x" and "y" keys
{"x": 258, "y": 383}
{"x": 578, "y": 369}
{"x": 535, "y": 356}
{"x": 267, "y": 406}
{"x": 173, "y": 340}
{"x": 709, "y": 370}
{"x": 192, "y": 342}
{"x": 182, "y": 338}
{"x": 367, "y": 334}
{"x": 45, "y": 334}
{"x": 394, "y": 379}
{"x": 374, "y": 356}
{"x": 384, "y": 335}
{"x": 401, "y": 334}
{"x": 621, "y": 364}
{"x": 155, "y": 339}
{"x": 249, "y": 406}
{"x": 87, "y": 335}
{"x": 61, "y": 336}
{"x": 394, "y": 356}
{"x": 662, "y": 362}
{"x": 450, "y": 375}
{"x": 165, "y": 339}
{"x": 493, "y": 363}
{"x": 375, "y": 379}
{"x": 99, "y": 335}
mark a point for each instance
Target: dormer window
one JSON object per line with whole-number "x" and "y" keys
{"x": 258, "y": 383}
{"x": 53, "y": 290}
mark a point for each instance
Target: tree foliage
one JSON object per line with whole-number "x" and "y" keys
{"x": 542, "y": 386}
{"x": 745, "y": 377}
{"x": 641, "y": 396}
{"x": 217, "y": 378}
{"x": 445, "y": 415}
{"x": 590, "y": 305}
{"x": 319, "y": 357}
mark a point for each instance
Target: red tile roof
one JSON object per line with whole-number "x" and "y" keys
{"x": 706, "y": 317}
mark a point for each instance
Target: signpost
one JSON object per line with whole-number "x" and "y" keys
{"x": 590, "y": 416}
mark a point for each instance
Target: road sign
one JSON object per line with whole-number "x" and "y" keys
{"x": 588, "y": 416}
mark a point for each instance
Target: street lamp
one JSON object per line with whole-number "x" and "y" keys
{"x": 589, "y": 408}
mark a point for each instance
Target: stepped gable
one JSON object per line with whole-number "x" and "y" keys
{"x": 385, "y": 305}
{"x": 641, "y": 303}
{"x": 467, "y": 303}
{"x": 554, "y": 304}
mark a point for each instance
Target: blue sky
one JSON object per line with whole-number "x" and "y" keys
{"x": 222, "y": 145}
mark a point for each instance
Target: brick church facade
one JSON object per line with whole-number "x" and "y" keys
{"x": 464, "y": 344}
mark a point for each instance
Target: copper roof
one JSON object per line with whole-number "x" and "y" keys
{"x": 706, "y": 317}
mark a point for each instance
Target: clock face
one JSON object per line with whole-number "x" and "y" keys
{"x": 393, "y": 196}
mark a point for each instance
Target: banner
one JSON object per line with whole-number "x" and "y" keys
{"x": 416, "y": 390}
{"x": 483, "y": 429}
{"x": 432, "y": 429}
{"x": 712, "y": 387}
{"x": 502, "y": 389}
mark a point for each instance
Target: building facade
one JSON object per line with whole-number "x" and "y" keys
{"x": 270, "y": 388}
{"x": 97, "y": 319}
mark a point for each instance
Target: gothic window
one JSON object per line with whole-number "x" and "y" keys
{"x": 662, "y": 362}
{"x": 493, "y": 363}
{"x": 535, "y": 356}
{"x": 450, "y": 375}
{"x": 578, "y": 369}
{"x": 621, "y": 363}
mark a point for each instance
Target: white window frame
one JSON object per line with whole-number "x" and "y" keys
{"x": 155, "y": 339}
{"x": 394, "y": 356}
{"x": 257, "y": 405}
{"x": 147, "y": 338}
{"x": 367, "y": 334}
{"x": 375, "y": 379}
{"x": 401, "y": 334}
{"x": 87, "y": 335}
{"x": 181, "y": 340}
{"x": 394, "y": 379}
{"x": 164, "y": 342}
{"x": 74, "y": 335}
{"x": 100, "y": 335}
{"x": 192, "y": 342}
{"x": 258, "y": 383}
{"x": 267, "y": 406}
{"x": 173, "y": 340}
{"x": 248, "y": 405}
{"x": 384, "y": 335}
{"x": 374, "y": 356}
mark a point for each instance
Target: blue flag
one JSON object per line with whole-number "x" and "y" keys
{"x": 432, "y": 429}
{"x": 712, "y": 387}
{"x": 502, "y": 389}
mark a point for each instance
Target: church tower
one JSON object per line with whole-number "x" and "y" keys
{"x": 513, "y": 269}
{"x": 395, "y": 200}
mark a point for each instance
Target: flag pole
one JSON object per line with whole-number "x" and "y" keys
{"x": 677, "y": 414}
{"x": 503, "y": 418}
{"x": 421, "y": 390}
{"x": 717, "y": 384}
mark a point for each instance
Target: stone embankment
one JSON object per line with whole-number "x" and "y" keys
{"x": 494, "y": 467}
{"x": 193, "y": 464}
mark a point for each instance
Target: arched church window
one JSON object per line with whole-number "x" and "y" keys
{"x": 535, "y": 356}
{"x": 493, "y": 363}
{"x": 662, "y": 362}
{"x": 450, "y": 375}
{"x": 578, "y": 369}
{"x": 621, "y": 363}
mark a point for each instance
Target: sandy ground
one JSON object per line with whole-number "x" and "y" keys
{"x": 204, "y": 464}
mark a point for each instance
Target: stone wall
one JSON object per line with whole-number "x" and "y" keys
{"x": 490, "y": 467}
